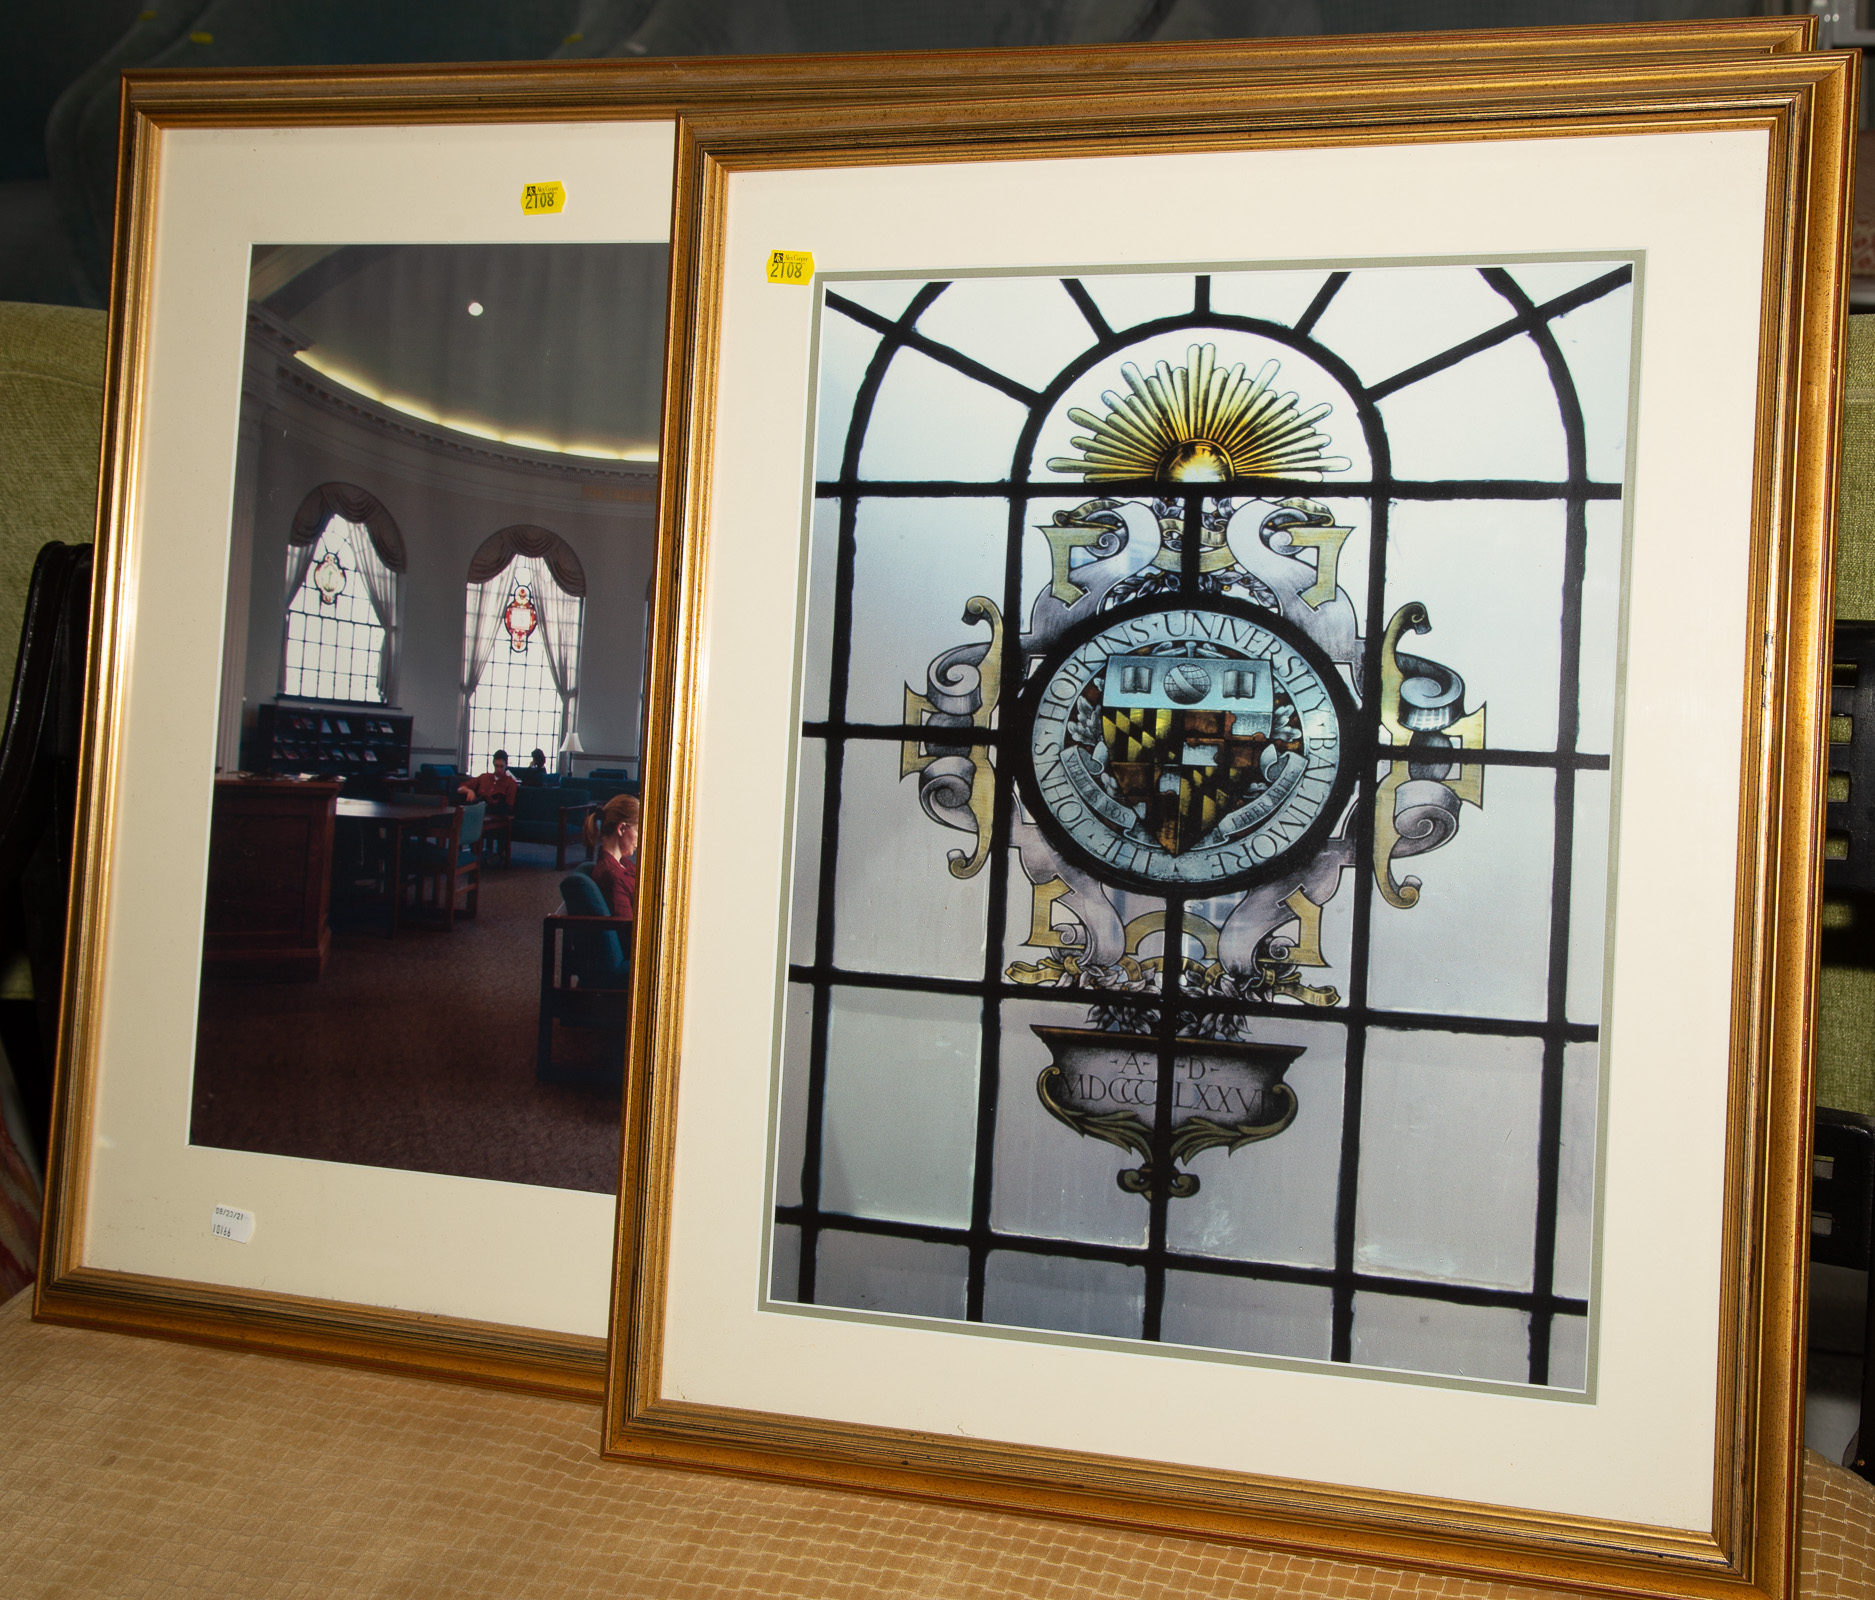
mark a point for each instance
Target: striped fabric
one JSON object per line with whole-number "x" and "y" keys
{"x": 19, "y": 1217}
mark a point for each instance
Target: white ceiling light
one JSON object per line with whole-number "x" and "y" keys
{"x": 475, "y": 308}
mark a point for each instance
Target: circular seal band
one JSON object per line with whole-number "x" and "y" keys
{"x": 1185, "y": 785}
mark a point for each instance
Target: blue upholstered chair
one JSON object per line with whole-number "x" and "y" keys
{"x": 436, "y": 777}
{"x": 442, "y": 862}
{"x": 585, "y": 982}
{"x": 552, "y": 814}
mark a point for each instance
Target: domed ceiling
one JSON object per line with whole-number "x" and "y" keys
{"x": 554, "y": 346}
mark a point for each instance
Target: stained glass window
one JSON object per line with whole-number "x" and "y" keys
{"x": 1203, "y": 798}
{"x": 336, "y": 645}
{"x": 524, "y": 625}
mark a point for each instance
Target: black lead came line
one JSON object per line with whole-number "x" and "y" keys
{"x": 1385, "y": 1018}
{"x": 1437, "y": 489}
{"x": 907, "y": 338}
{"x": 1084, "y": 302}
{"x": 1238, "y": 1267}
{"x": 1527, "y": 321}
{"x": 933, "y": 735}
{"x": 1323, "y": 296}
{"x": 1562, "y": 860}
{"x": 840, "y": 652}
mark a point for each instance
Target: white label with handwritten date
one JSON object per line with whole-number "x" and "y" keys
{"x": 231, "y": 1222}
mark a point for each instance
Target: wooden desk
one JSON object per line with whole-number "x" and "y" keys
{"x": 390, "y": 818}
{"x": 270, "y": 877}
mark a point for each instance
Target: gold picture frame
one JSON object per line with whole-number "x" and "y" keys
{"x": 705, "y": 1372}
{"x": 82, "y": 1283}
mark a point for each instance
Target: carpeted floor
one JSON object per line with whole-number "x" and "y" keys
{"x": 415, "y": 1052}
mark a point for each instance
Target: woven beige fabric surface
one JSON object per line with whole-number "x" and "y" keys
{"x": 139, "y": 1468}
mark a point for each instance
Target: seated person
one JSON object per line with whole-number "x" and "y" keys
{"x": 498, "y": 788}
{"x": 535, "y": 772}
{"x": 612, "y": 836}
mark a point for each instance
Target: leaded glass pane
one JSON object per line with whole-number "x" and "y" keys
{"x": 1026, "y": 328}
{"x": 1475, "y": 939}
{"x": 1364, "y": 327}
{"x": 810, "y": 787}
{"x": 817, "y": 625}
{"x": 846, "y": 353}
{"x": 899, "y": 1119}
{"x": 1442, "y": 554}
{"x": 515, "y": 707}
{"x": 885, "y": 297}
{"x": 1127, "y": 299}
{"x": 951, "y": 546}
{"x": 1593, "y": 340}
{"x": 1448, "y": 1157}
{"x": 1068, "y": 1293}
{"x": 931, "y": 422}
{"x": 1041, "y": 1189}
{"x": 872, "y": 1272}
{"x": 1200, "y": 866}
{"x": 1544, "y": 281}
{"x": 1601, "y": 625}
{"x": 1275, "y": 1201}
{"x": 1575, "y": 1177}
{"x": 1256, "y": 1315}
{"x": 1437, "y": 429}
{"x": 1569, "y": 1352}
{"x": 1489, "y": 1342}
{"x": 784, "y": 1262}
{"x": 1588, "y": 900}
{"x": 897, "y": 906}
{"x": 791, "y": 1120}
{"x": 1280, "y": 297}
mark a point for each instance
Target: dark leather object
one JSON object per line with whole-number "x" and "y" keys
{"x": 38, "y": 811}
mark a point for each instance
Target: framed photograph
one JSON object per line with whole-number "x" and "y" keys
{"x": 1239, "y": 820}
{"x": 347, "y": 1005}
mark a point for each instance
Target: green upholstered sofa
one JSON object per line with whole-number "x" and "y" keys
{"x": 1845, "y": 1051}
{"x": 551, "y": 814}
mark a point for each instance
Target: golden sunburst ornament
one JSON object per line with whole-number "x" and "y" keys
{"x": 1200, "y": 424}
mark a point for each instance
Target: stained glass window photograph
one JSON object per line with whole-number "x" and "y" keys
{"x": 1202, "y": 808}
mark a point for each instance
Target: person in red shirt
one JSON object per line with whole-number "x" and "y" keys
{"x": 498, "y": 788}
{"x": 612, "y": 836}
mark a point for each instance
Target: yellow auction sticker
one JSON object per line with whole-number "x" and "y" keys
{"x": 540, "y": 198}
{"x": 791, "y": 266}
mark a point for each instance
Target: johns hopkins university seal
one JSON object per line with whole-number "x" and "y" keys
{"x": 1194, "y": 747}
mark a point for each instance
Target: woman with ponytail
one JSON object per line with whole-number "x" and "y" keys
{"x": 612, "y": 836}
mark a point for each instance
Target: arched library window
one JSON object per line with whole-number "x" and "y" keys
{"x": 344, "y": 573}
{"x": 524, "y": 620}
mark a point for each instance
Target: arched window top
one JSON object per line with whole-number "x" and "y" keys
{"x": 355, "y": 505}
{"x": 498, "y": 551}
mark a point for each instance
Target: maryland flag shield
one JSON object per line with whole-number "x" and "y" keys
{"x": 1186, "y": 736}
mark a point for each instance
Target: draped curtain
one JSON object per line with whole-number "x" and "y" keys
{"x": 299, "y": 560}
{"x": 487, "y": 601}
{"x": 557, "y": 584}
{"x": 378, "y": 557}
